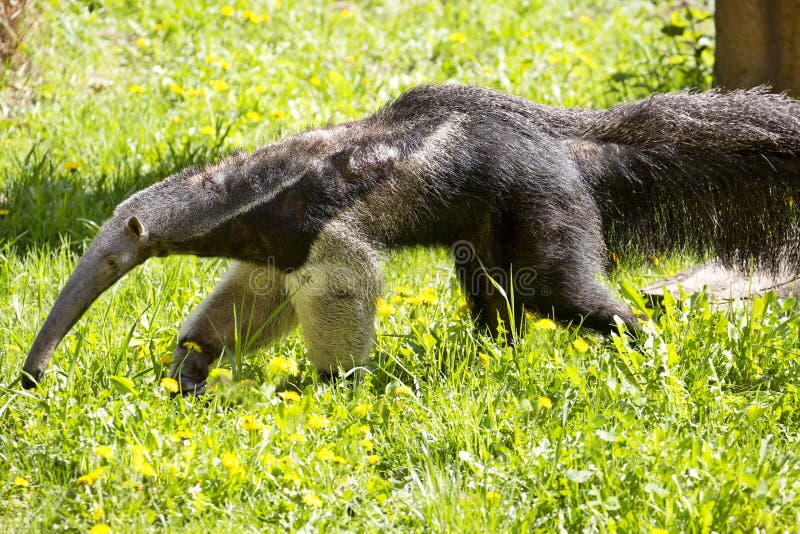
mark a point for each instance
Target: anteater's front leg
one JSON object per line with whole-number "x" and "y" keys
{"x": 334, "y": 297}
{"x": 249, "y": 306}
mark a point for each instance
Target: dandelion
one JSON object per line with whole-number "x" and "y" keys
{"x": 71, "y": 165}
{"x": 314, "y": 81}
{"x": 226, "y": 11}
{"x": 104, "y": 451}
{"x": 260, "y": 89}
{"x": 325, "y": 455}
{"x": 91, "y": 477}
{"x": 211, "y": 59}
{"x": 428, "y": 296}
{"x": 366, "y": 444}
{"x": 296, "y": 437}
{"x": 218, "y": 374}
{"x": 544, "y": 403}
{"x": 207, "y": 130}
{"x": 231, "y": 462}
{"x": 224, "y": 65}
{"x": 166, "y": 359}
{"x": 97, "y": 512}
{"x": 249, "y": 422}
{"x": 484, "y": 358}
{"x": 3, "y": 213}
{"x": 317, "y": 422}
{"x": 362, "y": 409}
{"x": 312, "y": 500}
{"x": 492, "y": 496}
{"x": 141, "y": 43}
{"x": 292, "y": 478}
{"x": 191, "y": 346}
{"x": 138, "y": 89}
{"x": 584, "y": 20}
{"x": 100, "y": 528}
{"x": 383, "y": 308}
{"x": 278, "y": 114}
{"x": 281, "y": 365}
{"x": 290, "y": 396}
{"x": 219, "y": 85}
{"x": 254, "y": 18}
{"x": 364, "y": 429}
{"x": 544, "y": 324}
{"x": 139, "y": 462}
{"x": 373, "y": 459}
{"x": 252, "y": 116}
{"x": 345, "y": 13}
{"x": 170, "y": 384}
{"x": 158, "y": 27}
{"x": 457, "y": 38}
{"x": 181, "y": 435}
{"x": 195, "y": 92}
{"x": 655, "y": 530}
{"x": 580, "y": 345}
{"x": 403, "y": 391}
{"x": 21, "y": 482}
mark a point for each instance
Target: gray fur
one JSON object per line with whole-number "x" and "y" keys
{"x": 520, "y": 187}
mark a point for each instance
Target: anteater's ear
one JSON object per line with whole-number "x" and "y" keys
{"x": 135, "y": 228}
{"x": 341, "y": 161}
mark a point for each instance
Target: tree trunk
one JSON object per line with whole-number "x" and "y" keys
{"x": 758, "y": 42}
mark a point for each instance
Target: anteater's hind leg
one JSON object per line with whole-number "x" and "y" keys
{"x": 249, "y": 305}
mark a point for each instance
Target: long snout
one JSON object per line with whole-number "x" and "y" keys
{"x": 90, "y": 279}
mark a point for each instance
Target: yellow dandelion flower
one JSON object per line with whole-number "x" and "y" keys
{"x": 253, "y": 17}
{"x": 181, "y": 435}
{"x": 158, "y": 27}
{"x": 362, "y": 409}
{"x": 249, "y": 422}
{"x": 141, "y": 42}
{"x": 278, "y": 4}
{"x": 364, "y": 429}
{"x": 231, "y": 462}
{"x": 345, "y": 13}
{"x": 297, "y": 438}
{"x": 290, "y": 396}
{"x": 138, "y": 89}
{"x": 403, "y": 391}
{"x": 655, "y": 530}
{"x": 224, "y": 64}
{"x": 218, "y": 374}
{"x": 325, "y": 455}
{"x": 263, "y": 18}
{"x": 3, "y": 213}
{"x": 252, "y": 116}
{"x": 284, "y": 461}
{"x": 207, "y": 130}
{"x": 166, "y": 359}
{"x": 383, "y": 308}
{"x": 544, "y": 324}
{"x": 104, "y": 451}
{"x": 316, "y": 422}
{"x": 219, "y": 85}
{"x": 226, "y": 11}
{"x": 584, "y": 20}
{"x": 457, "y": 37}
{"x": 292, "y": 478}
{"x": 191, "y": 346}
{"x": 312, "y": 500}
{"x": 211, "y": 59}
{"x": 71, "y": 165}
{"x": 544, "y": 403}
{"x": 195, "y": 92}
{"x": 281, "y": 365}
{"x": 170, "y": 384}
{"x": 260, "y": 89}
{"x": 373, "y": 459}
{"x": 492, "y": 496}
{"x": 580, "y": 345}
{"x": 366, "y": 444}
{"x": 97, "y": 512}
{"x": 139, "y": 462}
{"x": 314, "y": 81}
{"x": 403, "y": 291}
{"x": 91, "y": 477}
{"x": 100, "y": 528}
{"x": 484, "y": 358}
{"x": 278, "y": 114}
{"x": 268, "y": 459}
{"x": 21, "y": 482}
{"x": 428, "y": 296}
{"x": 397, "y": 299}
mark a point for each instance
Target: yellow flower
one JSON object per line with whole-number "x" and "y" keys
{"x": 655, "y": 530}
{"x": 544, "y": 324}
{"x": 212, "y": 59}
{"x": 91, "y": 477}
{"x": 373, "y": 459}
{"x": 141, "y": 42}
{"x": 181, "y": 435}
{"x": 249, "y": 422}
{"x": 278, "y": 114}
{"x": 158, "y": 27}
{"x": 138, "y": 89}
{"x": 97, "y": 512}
{"x": 21, "y": 482}
{"x": 492, "y": 496}
{"x": 362, "y": 409}
{"x": 207, "y": 130}
{"x": 312, "y": 500}
{"x": 290, "y": 396}
{"x": 219, "y": 85}
{"x": 580, "y": 345}
{"x": 403, "y": 391}
{"x": 281, "y": 365}
{"x": 458, "y": 38}
{"x": 139, "y": 462}
{"x": 252, "y": 116}
{"x": 428, "y": 296}
{"x": 3, "y": 213}
{"x": 292, "y": 478}
{"x": 544, "y": 403}
{"x": 231, "y": 462}
{"x": 584, "y": 20}
{"x": 297, "y": 438}
{"x": 104, "y": 451}
{"x": 218, "y": 374}
{"x": 316, "y": 422}
{"x": 166, "y": 359}
{"x": 484, "y": 358}
{"x": 226, "y": 11}
{"x": 383, "y": 308}
{"x": 224, "y": 64}
{"x": 325, "y": 455}
{"x": 170, "y": 384}
{"x": 403, "y": 291}
{"x": 314, "y": 81}
{"x": 100, "y": 528}
{"x": 366, "y": 444}
{"x": 71, "y": 165}
{"x": 192, "y": 346}
{"x": 254, "y": 18}
{"x": 345, "y": 13}
{"x": 195, "y": 92}
{"x": 260, "y": 89}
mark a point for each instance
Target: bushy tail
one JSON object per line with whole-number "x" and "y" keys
{"x": 708, "y": 173}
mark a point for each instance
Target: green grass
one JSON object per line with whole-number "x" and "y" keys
{"x": 694, "y": 428}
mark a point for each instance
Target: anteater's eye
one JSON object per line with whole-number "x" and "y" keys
{"x": 111, "y": 261}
